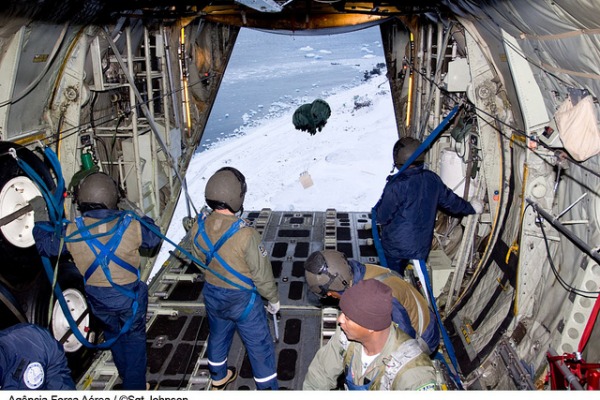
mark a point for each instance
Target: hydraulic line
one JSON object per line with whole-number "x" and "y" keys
{"x": 569, "y": 376}
{"x": 560, "y": 227}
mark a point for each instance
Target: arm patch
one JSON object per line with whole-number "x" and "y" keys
{"x": 262, "y": 250}
{"x": 428, "y": 386}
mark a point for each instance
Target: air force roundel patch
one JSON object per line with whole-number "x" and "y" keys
{"x": 262, "y": 250}
{"x": 33, "y": 377}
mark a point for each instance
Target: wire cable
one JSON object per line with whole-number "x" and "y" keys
{"x": 561, "y": 281}
{"x": 513, "y": 129}
{"x": 38, "y": 79}
{"x": 107, "y": 119}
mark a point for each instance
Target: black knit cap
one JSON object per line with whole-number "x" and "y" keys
{"x": 369, "y": 304}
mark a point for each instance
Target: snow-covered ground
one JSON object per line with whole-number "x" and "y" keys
{"x": 347, "y": 162}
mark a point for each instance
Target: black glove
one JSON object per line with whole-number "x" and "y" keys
{"x": 188, "y": 223}
{"x": 40, "y": 211}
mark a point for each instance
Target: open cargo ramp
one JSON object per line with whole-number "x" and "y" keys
{"x": 178, "y": 328}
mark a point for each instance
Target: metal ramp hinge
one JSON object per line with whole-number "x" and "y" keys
{"x": 262, "y": 220}
{"x": 329, "y": 317}
{"x": 330, "y": 229}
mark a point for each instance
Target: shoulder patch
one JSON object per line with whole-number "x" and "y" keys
{"x": 33, "y": 377}
{"x": 262, "y": 250}
{"x": 427, "y": 386}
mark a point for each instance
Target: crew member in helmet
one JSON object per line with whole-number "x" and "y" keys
{"x": 369, "y": 350}
{"x": 407, "y": 209}
{"x": 104, "y": 243}
{"x": 239, "y": 274}
{"x": 32, "y": 359}
{"x": 330, "y": 273}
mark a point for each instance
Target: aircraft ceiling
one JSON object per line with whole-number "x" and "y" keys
{"x": 558, "y": 38}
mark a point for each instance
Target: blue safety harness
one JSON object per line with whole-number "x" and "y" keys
{"x": 350, "y": 385}
{"x": 213, "y": 252}
{"x": 55, "y": 202}
{"x": 105, "y": 253}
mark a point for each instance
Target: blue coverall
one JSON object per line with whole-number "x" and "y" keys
{"x": 407, "y": 213}
{"x": 113, "y": 308}
{"x": 31, "y": 358}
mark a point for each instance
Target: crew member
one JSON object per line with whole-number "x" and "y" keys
{"x": 407, "y": 209}
{"x": 105, "y": 244}
{"x": 239, "y": 273}
{"x": 32, "y": 359}
{"x": 330, "y": 273}
{"x": 370, "y": 350}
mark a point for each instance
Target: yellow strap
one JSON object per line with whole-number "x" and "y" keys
{"x": 512, "y": 249}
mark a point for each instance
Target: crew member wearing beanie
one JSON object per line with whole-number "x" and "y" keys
{"x": 329, "y": 273}
{"x": 369, "y": 304}
{"x": 364, "y": 339}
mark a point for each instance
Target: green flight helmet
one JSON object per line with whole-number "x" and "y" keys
{"x": 97, "y": 191}
{"x": 327, "y": 271}
{"x": 226, "y": 189}
{"x": 404, "y": 148}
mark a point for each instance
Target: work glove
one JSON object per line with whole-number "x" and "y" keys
{"x": 273, "y": 308}
{"x": 477, "y": 206}
{"x": 188, "y": 223}
{"x": 40, "y": 211}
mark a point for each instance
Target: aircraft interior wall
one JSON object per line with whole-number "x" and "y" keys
{"x": 554, "y": 36}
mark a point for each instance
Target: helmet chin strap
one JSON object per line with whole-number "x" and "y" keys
{"x": 332, "y": 277}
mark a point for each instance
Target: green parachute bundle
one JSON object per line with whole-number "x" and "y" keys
{"x": 312, "y": 116}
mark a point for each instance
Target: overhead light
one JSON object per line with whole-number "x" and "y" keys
{"x": 262, "y": 5}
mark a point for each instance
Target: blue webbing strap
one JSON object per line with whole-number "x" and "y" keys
{"x": 447, "y": 342}
{"x": 183, "y": 251}
{"x": 60, "y": 182}
{"x": 376, "y": 238}
{"x": 54, "y": 200}
{"x": 434, "y": 134}
{"x": 72, "y": 239}
{"x": 214, "y": 251}
{"x": 58, "y": 293}
{"x": 106, "y": 254}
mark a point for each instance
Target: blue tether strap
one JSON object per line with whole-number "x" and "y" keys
{"x": 434, "y": 134}
{"x": 447, "y": 342}
{"x": 54, "y": 200}
{"x": 186, "y": 253}
{"x": 213, "y": 252}
{"x": 58, "y": 293}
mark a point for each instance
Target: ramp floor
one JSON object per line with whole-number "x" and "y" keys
{"x": 178, "y": 328}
